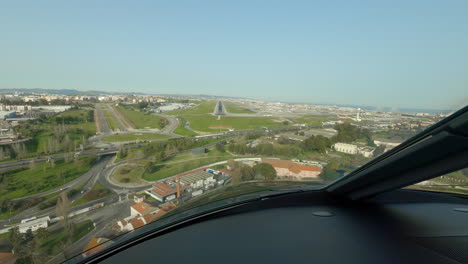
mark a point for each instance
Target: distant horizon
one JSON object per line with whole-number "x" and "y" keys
{"x": 398, "y": 54}
{"x": 366, "y": 107}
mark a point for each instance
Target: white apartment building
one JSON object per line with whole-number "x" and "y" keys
{"x": 34, "y": 224}
{"x": 346, "y": 148}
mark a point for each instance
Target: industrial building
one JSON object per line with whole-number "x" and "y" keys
{"x": 201, "y": 178}
{"x": 162, "y": 192}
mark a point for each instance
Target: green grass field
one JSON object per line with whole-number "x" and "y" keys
{"x": 129, "y": 173}
{"x": 200, "y": 119}
{"x": 52, "y": 245}
{"x": 168, "y": 170}
{"x": 97, "y": 192}
{"x": 313, "y": 120}
{"x": 133, "y": 137}
{"x": 81, "y": 116}
{"x": 140, "y": 119}
{"x": 202, "y": 108}
{"x": 236, "y": 109}
{"x": 76, "y": 126}
{"x": 181, "y": 130}
{"x": 41, "y": 177}
{"x": 134, "y": 172}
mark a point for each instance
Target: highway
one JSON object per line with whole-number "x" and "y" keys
{"x": 102, "y": 170}
{"x": 91, "y": 176}
{"x": 171, "y": 126}
{"x": 93, "y": 171}
{"x": 113, "y": 147}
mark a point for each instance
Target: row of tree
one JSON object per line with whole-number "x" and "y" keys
{"x": 27, "y": 247}
{"x": 265, "y": 149}
{"x": 12, "y": 151}
{"x": 243, "y": 172}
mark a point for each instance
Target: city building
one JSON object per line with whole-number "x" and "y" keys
{"x": 141, "y": 209}
{"x": 286, "y": 168}
{"x": 95, "y": 245}
{"x": 138, "y": 198}
{"x": 346, "y": 148}
{"x": 15, "y": 108}
{"x": 366, "y": 151}
{"x": 388, "y": 145}
{"x": 353, "y": 149}
{"x": 162, "y": 192}
{"x": 135, "y": 221}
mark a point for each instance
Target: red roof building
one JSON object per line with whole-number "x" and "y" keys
{"x": 95, "y": 245}
{"x": 290, "y": 169}
{"x": 141, "y": 209}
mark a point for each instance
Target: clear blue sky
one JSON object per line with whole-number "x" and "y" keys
{"x": 380, "y": 53}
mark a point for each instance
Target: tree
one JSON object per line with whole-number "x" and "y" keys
{"x": 232, "y": 164}
{"x": 265, "y": 171}
{"x": 42, "y": 233}
{"x": 163, "y": 122}
{"x": 284, "y": 140}
{"x": 149, "y": 167}
{"x": 139, "y": 154}
{"x": 220, "y": 147}
{"x": 67, "y": 144}
{"x": 10, "y": 205}
{"x": 62, "y": 209}
{"x": 90, "y": 117}
{"x": 379, "y": 150}
{"x": 330, "y": 171}
{"x": 122, "y": 153}
{"x": 52, "y": 163}
{"x": 247, "y": 173}
{"x": 23, "y": 245}
{"x": 142, "y": 105}
{"x": 316, "y": 143}
{"x": 15, "y": 239}
{"x": 236, "y": 176}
